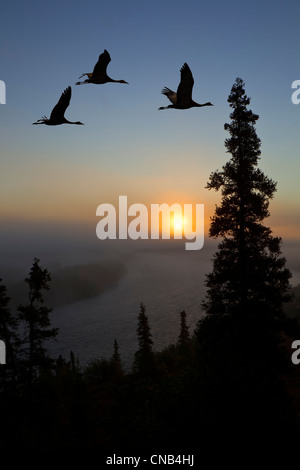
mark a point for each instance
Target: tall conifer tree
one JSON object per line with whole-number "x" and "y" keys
{"x": 35, "y": 316}
{"x": 184, "y": 330}
{"x": 241, "y": 360}
{"x": 249, "y": 277}
{"x": 143, "y": 356}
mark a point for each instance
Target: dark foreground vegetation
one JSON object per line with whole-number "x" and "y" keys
{"x": 225, "y": 380}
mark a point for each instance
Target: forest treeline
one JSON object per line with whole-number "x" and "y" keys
{"x": 231, "y": 380}
{"x": 218, "y": 376}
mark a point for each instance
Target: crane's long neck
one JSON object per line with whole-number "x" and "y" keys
{"x": 70, "y": 122}
{"x": 115, "y": 81}
{"x": 199, "y": 105}
{"x": 167, "y": 107}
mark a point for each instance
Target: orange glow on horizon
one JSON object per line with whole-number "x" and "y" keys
{"x": 80, "y": 209}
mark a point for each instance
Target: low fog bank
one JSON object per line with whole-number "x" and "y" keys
{"x": 73, "y": 283}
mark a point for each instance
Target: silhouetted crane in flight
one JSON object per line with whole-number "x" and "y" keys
{"x": 183, "y": 98}
{"x": 57, "y": 115}
{"x": 99, "y": 75}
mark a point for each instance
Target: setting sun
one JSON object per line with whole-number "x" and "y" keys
{"x": 178, "y": 222}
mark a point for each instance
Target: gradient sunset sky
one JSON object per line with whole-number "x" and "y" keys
{"x": 53, "y": 178}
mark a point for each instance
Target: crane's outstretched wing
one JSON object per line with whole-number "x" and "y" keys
{"x": 170, "y": 94}
{"x": 185, "y": 87}
{"x": 59, "y": 109}
{"x": 100, "y": 68}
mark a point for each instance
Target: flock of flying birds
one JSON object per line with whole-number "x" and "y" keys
{"x": 182, "y": 99}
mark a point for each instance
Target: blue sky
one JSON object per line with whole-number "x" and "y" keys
{"x": 58, "y": 176}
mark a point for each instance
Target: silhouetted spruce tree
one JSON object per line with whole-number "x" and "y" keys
{"x": 240, "y": 358}
{"x": 37, "y": 322}
{"x": 184, "y": 330}
{"x": 249, "y": 277}
{"x": 144, "y": 356}
{"x": 116, "y": 358}
{"x": 116, "y": 355}
{"x": 8, "y": 334}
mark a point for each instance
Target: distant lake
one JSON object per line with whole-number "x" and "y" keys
{"x": 165, "y": 281}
